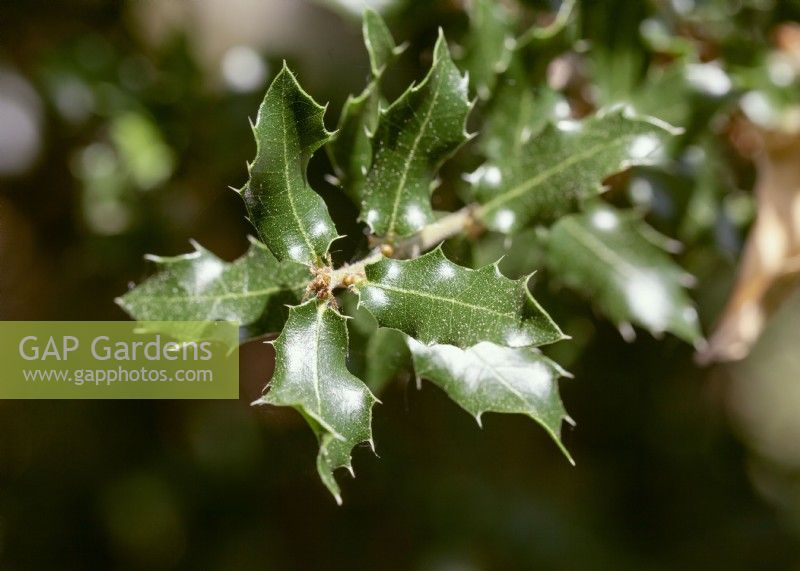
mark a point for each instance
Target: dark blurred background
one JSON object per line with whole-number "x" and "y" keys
{"x": 121, "y": 127}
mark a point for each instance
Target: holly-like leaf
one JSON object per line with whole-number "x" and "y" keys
{"x": 436, "y": 301}
{"x": 199, "y": 286}
{"x": 311, "y": 375}
{"x": 415, "y": 135}
{"x": 493, "y": 378}
{"x": 290, "y": 217}
{"x": 564, "y": 165}
{"x": 610, "y": 256}
{"x": 490, "y": 45}
{"x": 350, "y": 148}
{"x": 379, "y": 42}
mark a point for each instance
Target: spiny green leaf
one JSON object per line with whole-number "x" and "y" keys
{"x": 492, "y": 378}
{"x": 490, "y": 45}
{"x": 564, "y": 165}
{"x": 350, "y": 148}
{"x": 436, "y": 301}
{"x": 414, "y": 136}
{"x": 610, "y": 257}
{"x": 289, "y": 216}
{"x": 311, "y": 375}
{"x": 201, "y": 287}
{"x": 380, "y": 44}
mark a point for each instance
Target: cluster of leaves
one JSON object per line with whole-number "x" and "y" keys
{"x": 472, "y": 331}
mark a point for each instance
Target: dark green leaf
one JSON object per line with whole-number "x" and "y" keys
{"x": 517, "y": 114}
{"x": 311, "y": 375}
{"x": 379, "y": 42}
{"x": 489, "y": 46}
{"x": 492, "y": 378}
{"x": 564, "y": 165}
{"x": 387, "y": 358}
{"x": 610, "y": 256}
{"x": 289, "y": 216}
{"x": 350, "y": 148}
{"x": 201, "y": 287}
{"x": 414, "y": 136}
{"x": 436, "y": 301}
{"x": 377, "y": 355}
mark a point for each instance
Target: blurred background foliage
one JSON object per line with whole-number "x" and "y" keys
{"x": 122, "y": 124}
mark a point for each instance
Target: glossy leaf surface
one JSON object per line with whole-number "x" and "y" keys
{"x": 290, "y": 217}
{"x": 493, "y": 378}
{"x": 380, "y": 44}
{"x": 414, "y": 136}
{"x": 311, "y": 375}
{"x": 350, "y": 148}
{"x": 436, "y": 301}
{"x": 565, "y": 164}
{"x": 610, "y": 256}
{"x": 199, "y": 286}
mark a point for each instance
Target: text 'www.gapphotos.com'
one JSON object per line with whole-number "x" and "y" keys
{"x": 80, "y": 377}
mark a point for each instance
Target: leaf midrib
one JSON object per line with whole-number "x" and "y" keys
{"x": 501, "y": 380}
{"x": 616, "y": 262}
{"x": 411, "y": 155}
{"x": 306, "y": 237}
{"x": 542, "y": 177}
{"x": 440, "y": 298}
{"x": 232, "y": 295}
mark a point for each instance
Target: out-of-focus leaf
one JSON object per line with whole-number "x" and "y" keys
{"x": 564, "y": 165}
{"x": 666, "y": 95}
{"x": 350, "y": 8}
{"x": 493, "y": 378}
{"x": 387, "y": 357}
{"x": 610, "y": 257}
{"x": 414, "y": 136}
{"x": 143, "y": 152}
{"x": 535, "y": 36}
{"x": 311, "y": 376}
{"x": 290, "y": 217}
{"x": 380, "y": 44}
{"x": 516, "y": 255}
{"x": 350, "y": 148}
{"x": 517, "y": 114}
{"x": 661, "y": 37}
{"x": 436, "y": 301}
{"x": 199, "y": 286}
{"x": 490, "y": 45}
{"x": 377, "y": 355}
